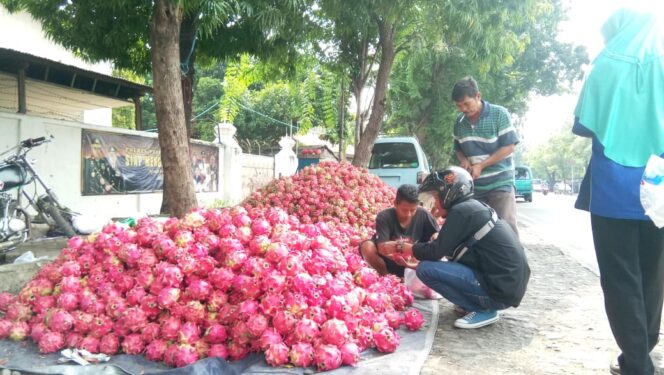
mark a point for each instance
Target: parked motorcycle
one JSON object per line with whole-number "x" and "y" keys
{"x": 16, "y": 173}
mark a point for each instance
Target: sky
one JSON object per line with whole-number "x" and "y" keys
{"x": 585, "y": 18}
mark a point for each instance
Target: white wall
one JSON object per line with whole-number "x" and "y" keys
{"x": 59, "y": 165}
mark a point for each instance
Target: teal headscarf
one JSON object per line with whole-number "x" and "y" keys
{"x": 622, "y": 100}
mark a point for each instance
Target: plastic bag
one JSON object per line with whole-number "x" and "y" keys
{"x": 652, "y": 190}
{"x": 28, "y": 257}
{"x": 416, "y": 286}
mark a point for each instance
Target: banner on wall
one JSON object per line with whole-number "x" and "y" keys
{"x": 114, "y": 163}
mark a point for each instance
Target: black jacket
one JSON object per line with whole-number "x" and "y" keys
{"x": 498, "y": 259}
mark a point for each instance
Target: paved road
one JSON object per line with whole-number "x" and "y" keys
{"x": 554, "y": 218}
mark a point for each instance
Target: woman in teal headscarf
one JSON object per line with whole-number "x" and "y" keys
{"x": 621, "y": 106}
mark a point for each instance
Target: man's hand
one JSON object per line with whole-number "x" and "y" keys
{"x": 433, "y": 237}
{"x": 465, "y": 164}
{"x": 409, "y": 262}
{"x": 476, "y": 171}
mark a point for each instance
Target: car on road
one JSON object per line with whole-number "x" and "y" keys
{"x": 562, "y": 188}
{"x": 540, "y": 186}
{"x": 399, "y": 160}
{"x": 523, "y": 183}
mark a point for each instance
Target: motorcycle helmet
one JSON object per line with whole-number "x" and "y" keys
{"x": 453, "y": 185}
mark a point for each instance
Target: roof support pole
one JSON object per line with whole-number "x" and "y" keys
{"x": 22, "y": 107}
{"x": 138, "y": 113}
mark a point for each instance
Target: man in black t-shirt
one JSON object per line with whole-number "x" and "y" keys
{"x": 406, "y": 222}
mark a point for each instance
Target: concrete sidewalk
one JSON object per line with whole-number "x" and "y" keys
{"x": 560, "y": 327}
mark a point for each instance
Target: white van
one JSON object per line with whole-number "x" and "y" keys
{"x": 399, "y": 160}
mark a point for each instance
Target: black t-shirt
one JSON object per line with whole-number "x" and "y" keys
{"x": 498, "y": 259}
{"x": 421, "y": 228}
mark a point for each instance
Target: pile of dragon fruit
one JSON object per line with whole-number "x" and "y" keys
{"x": 328, "y": 191}
{"x": 217, "y": 283}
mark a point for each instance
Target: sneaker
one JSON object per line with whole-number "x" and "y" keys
{"x": 614, "y": 367}
{"x": 477, "y": 319}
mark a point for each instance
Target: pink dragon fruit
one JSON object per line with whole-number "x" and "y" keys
{"x": 116, "y": 307}
{"x": 18, "y": 312}
{"x": 386, "y": 340}
{"x": 216, "y": 334}
{"x": 101, "y": 325}
{"x": 257, "y": 324}
{"x": 222, "y": 278}
{"x": 284, "y": 321}
{"x": 302, "y": 354}
{"x": 248, "y": 308}
{"x": 170, "y": 275}
{"x": 189, "y": 333}
{"x": 133, "y": 344}
{"x": 6, "y": 298}
{"x": 82, "y": 321}
{"x": 135, "y": 319}
{"x": 72, "y": 339}
{"x": 306, "y": 330}
{"x": 393, "y": 318}
{"x": 89, "y": 343}
{"x": 150, "y": 304}
{"x": 18, "y": 331}
{"x": 270, "y": 336}
{"x": 43, "y": 304}
{"x": 413, "y": 319}
{"x": 109, "y": 344}
{"x": 365, "y": 277}
{"x": 240, "y": 334}
{"x": 135, "y": 295}
{"x": 36, "y": 330}
{"x": 150, "y": 332}
{"x": 70, "y": 268}
{"x": 75, "y": 242}
{"x": 337, "y": 307}
{"x": 260, "y": 227}
{"x": 277, "y": 354}
{"x": 68, "y": 301}
{"x": 61, "y": 321}
{"x": 218, "y": 350}
{"x": 184, "y": 355}
{"x": 155, "y": 350}
{"x": 350, "y": 354}
{"x": 216, "y": 299}
{"x": 168, "y": 297}
{"x": 334, "y": 332}
{"x": 237, "y": 351}
{"x": 364, "y": 337}
{"x": 51, "y": 342}
{"x": 327, "y": 357}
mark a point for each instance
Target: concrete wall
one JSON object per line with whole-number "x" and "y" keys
{"x": 257, "y": 171}
{"x": 59, "y": 164}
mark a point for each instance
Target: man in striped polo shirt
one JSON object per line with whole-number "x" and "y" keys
{"x": 484, "y": 140}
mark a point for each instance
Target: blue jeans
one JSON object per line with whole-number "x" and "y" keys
{"x": 458, "y": 284}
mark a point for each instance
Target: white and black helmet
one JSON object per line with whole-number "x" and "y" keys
{"x": 453, "y": 185}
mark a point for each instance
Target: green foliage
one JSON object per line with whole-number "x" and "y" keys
{"x": 564, "y": 157}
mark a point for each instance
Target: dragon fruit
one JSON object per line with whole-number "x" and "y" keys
{"x": 18, "y": 331}
{"x": 43, "y": 304}
{"x": 18, "y": 312}
{"x": 306, "y": 330}
{"x": 51, "y": 342}
{"x": 237, "y": 351}
{"x": 256, "y": 324}
{"x": 155, "y": 350}
{"x": 350, "y": 354}
{"x": 334, "y": 332}
{"x": 6, "y": 298}
{"x": 277, "y": 354}
{"x": 215, "y": 334}
{"x": 135, "y": 319}
{"x": 36, "y": 330}
{"x": 72, "y": 339}
{"x": 386, "y": 340}
{"x": 198, "y": 289}
{"x": 89, "y": 343}
{"x": 184, "y": 354}
{"x": 60, "y": 321}
{"x": 168, "y": 297}
{"x": 150, "y": 332}
{"x": 302, "y": 354}
{"x": 218, "y": 350}
{"x": 413, "y": 319}
{"x": 327, "y": 357}
{"x": 82, "y": 321}
{"x": 284, "y": 321}
{"x": 109, "y": 344}
{"x": 133, "y": 344}
{"x": 101, "y": 325}
{"x": 393, "y": 318}
{"x": 189, "y": 333}
{"x": 270, "y": 336}
{"x": 68, "y": 301}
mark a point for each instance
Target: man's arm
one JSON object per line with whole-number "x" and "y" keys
{"x": 580, "y": 130}
{"x": 463, "y": 160}
{"x": 496, "y": 157}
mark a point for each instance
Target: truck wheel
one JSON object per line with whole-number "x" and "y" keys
{"x": 529, "y": 197}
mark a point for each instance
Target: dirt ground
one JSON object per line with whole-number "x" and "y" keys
{"x": 560, "y": 327}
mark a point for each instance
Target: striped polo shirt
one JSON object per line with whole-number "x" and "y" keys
{"x": 479, "y": 141}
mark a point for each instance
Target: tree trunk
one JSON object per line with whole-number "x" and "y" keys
{"x": 368, "y": 136}
{"x": 188, "y": 59}
{"x": 179, "y": 197}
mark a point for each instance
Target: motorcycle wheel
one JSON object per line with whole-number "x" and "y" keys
{"x": 11, "y": 243}
{"x": 54, "y": 213}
